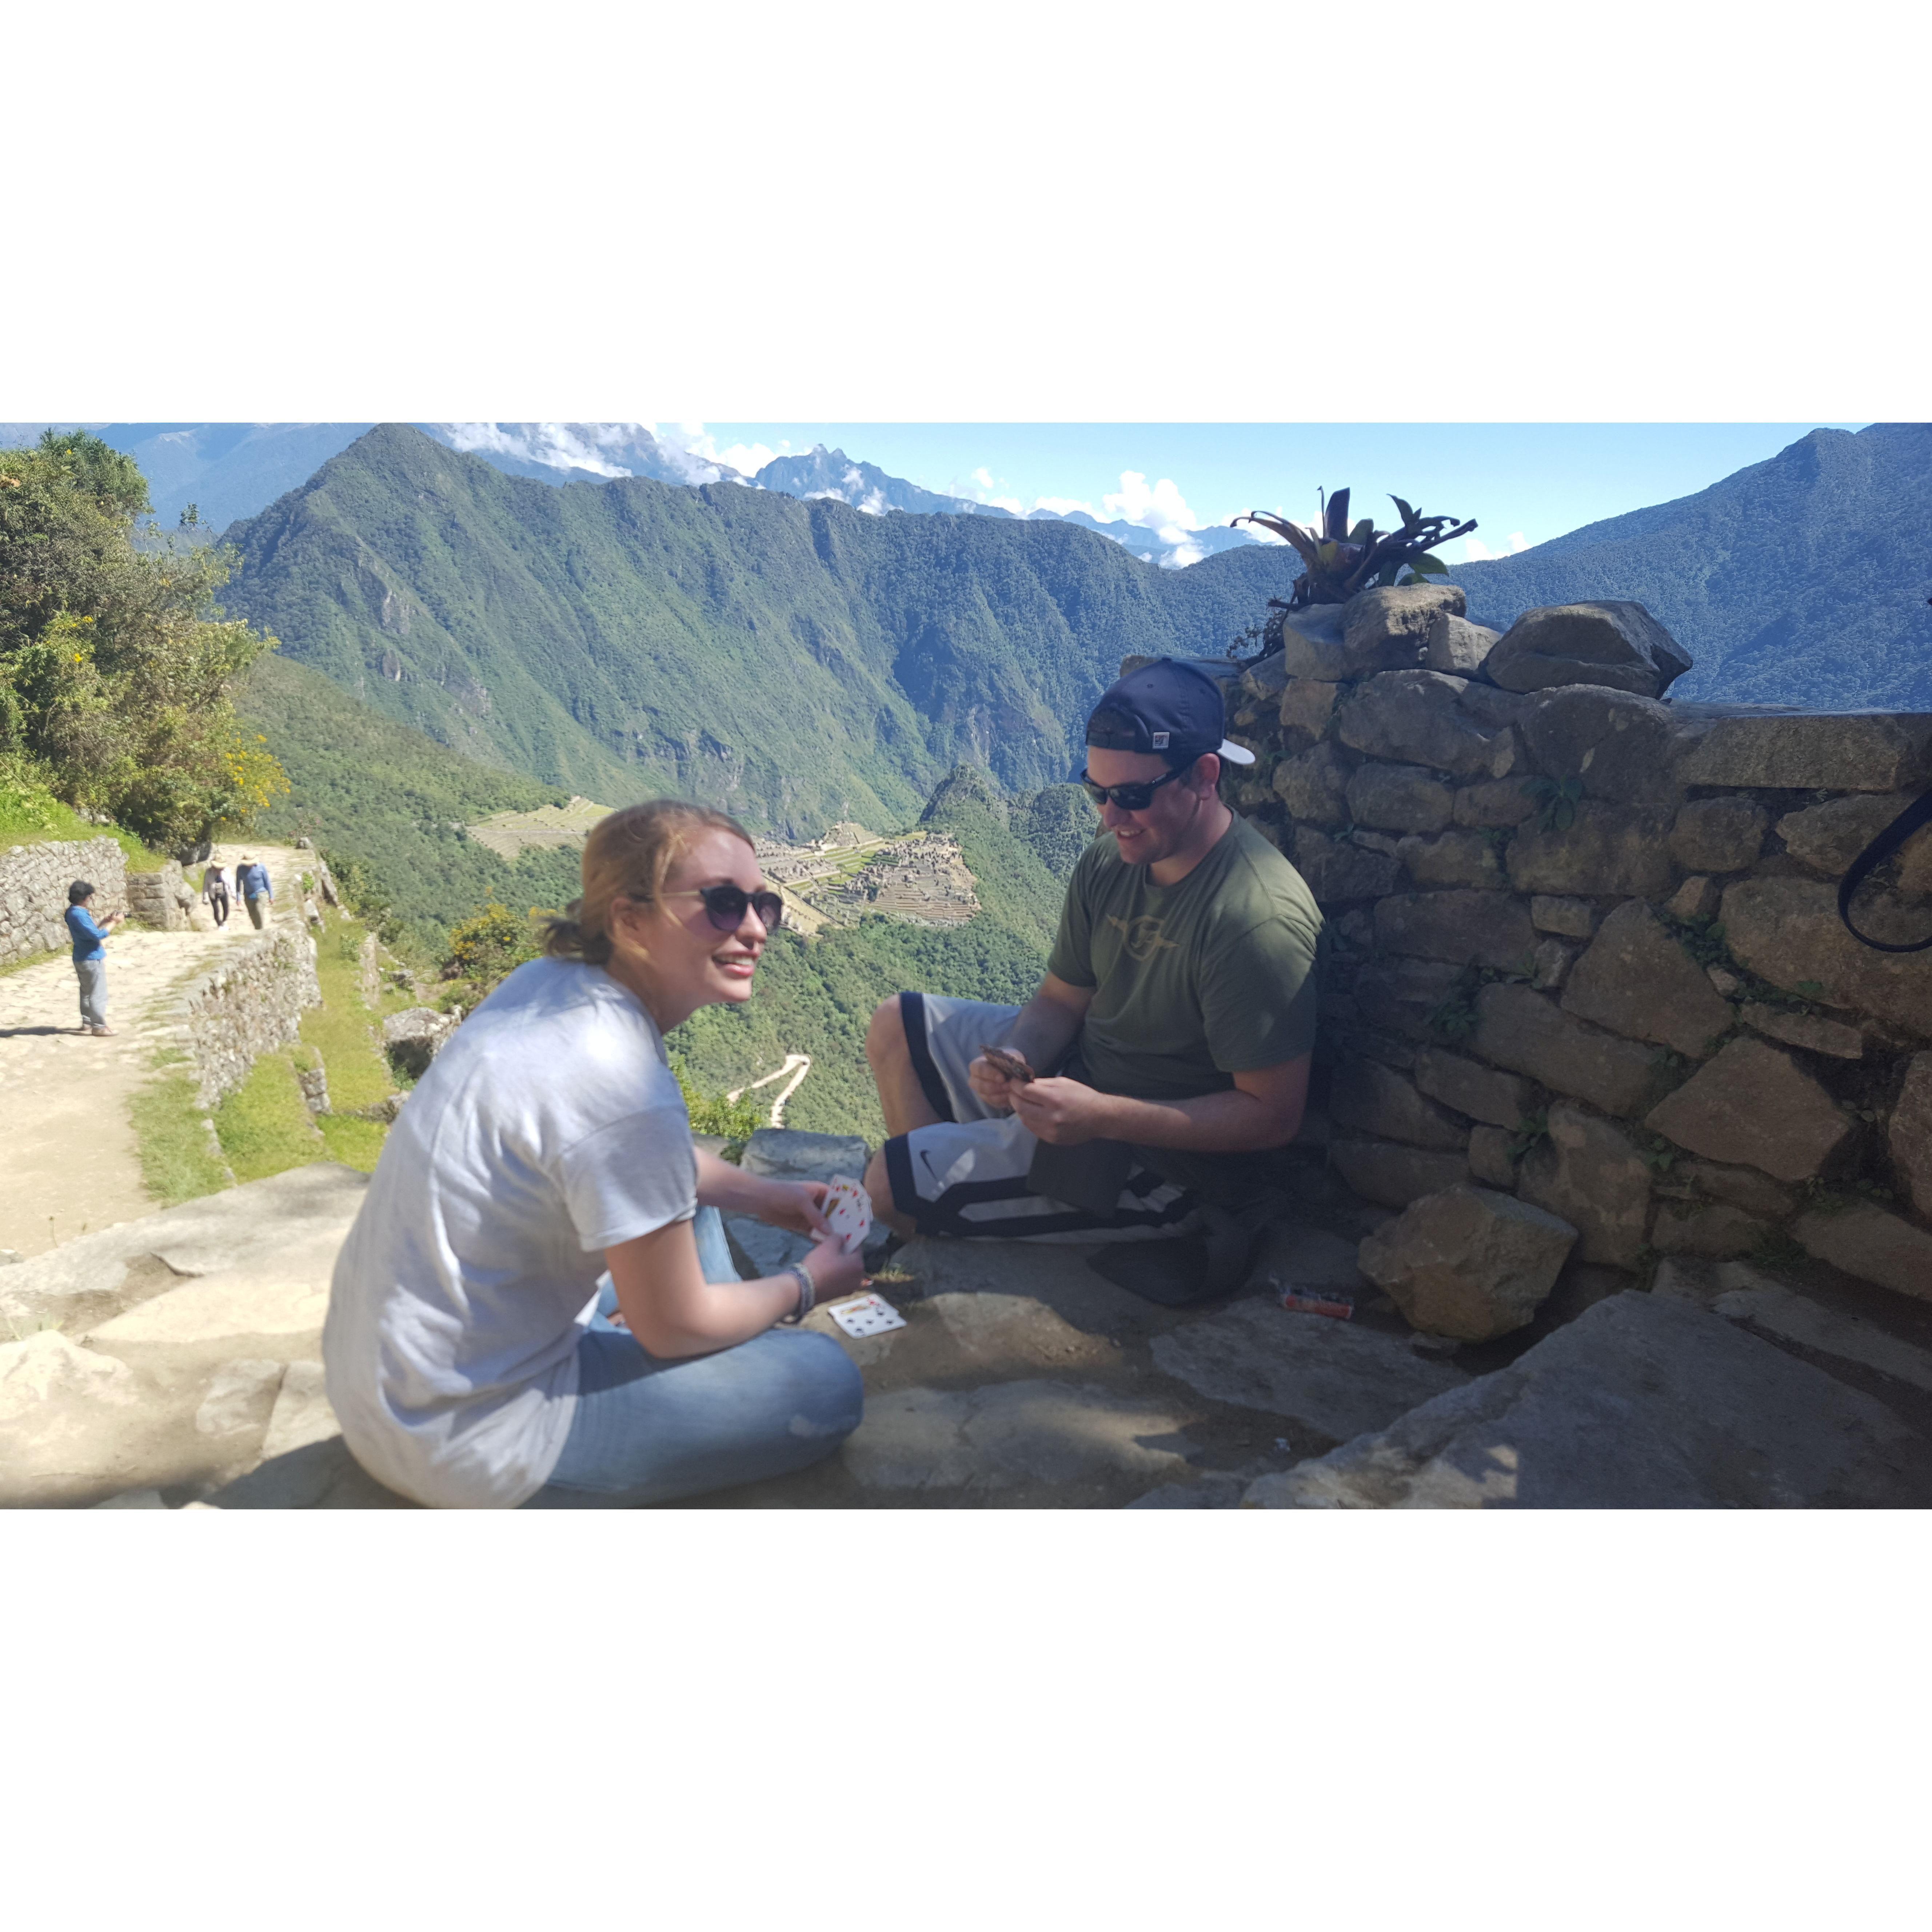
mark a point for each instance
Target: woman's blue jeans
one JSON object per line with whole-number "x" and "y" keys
{"x": 651, "y": 1431}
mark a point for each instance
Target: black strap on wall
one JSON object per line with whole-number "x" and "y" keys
{"x": 1918, "y": 813}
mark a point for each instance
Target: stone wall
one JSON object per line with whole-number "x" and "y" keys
{"x": 1586, "y": 946}
{"x": 33, "y": 880}
{"x": 250, "y": 1002}
{"x": 160, "y": 899}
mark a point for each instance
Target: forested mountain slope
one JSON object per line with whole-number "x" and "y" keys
{"x": 798, "y": 662}
{"x": 1801, "y": 581}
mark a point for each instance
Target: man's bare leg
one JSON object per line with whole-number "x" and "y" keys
{"x": 901, "y": 1098}
{"x": 884, "y": 1212}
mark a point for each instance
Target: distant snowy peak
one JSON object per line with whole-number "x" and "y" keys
{"x": 820, "y": 471}
{"x": 831, "y": 472}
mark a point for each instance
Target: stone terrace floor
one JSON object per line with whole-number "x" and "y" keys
{"x": 172, "y": 1361}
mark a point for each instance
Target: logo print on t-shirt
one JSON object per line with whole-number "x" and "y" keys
{"x": 1140, "y": 937}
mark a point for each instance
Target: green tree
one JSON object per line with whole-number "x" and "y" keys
{"x": 116, "y": 668}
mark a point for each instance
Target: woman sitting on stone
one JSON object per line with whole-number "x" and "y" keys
{"x": 471, "y": 1353}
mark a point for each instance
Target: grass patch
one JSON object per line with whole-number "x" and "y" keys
{"x": 37, "y": 818}
{"x": 356, "y": 1143}
{"x": 340, "y": 1029}
{"x": 32, "y": 959}
{"x": 177, "y": 1163}
{"x": 264, "y": 1126}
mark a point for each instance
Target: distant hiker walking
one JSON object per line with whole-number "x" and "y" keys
{"x": 251, "y": 881}
{"x": 215, "y": 895}
{"x": 90, "y": 958}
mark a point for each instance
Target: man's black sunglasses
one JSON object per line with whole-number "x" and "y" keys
{"x": 725, "y": 906}
{"x": 1128, "y": 797}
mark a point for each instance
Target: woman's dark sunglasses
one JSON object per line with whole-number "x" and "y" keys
{"x": 725, "y": 906}
{"x": 1128, "y": 797}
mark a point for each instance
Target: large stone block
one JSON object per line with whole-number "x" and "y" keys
{"x": 1468, "y": 1262}
{"x": 1716, "y": 1232}
{"x": 1637, "y": 980}
{"x": 1332, "y": 1378}
{"x": 1491, "y": 1161}
{"x": 1606, "y": 848}
{"x": 1521, "y": 1029}
{"x": 1747, "y": 1187}
{"x": 1456, "y": 646}
{"x": 1827, "y": 837}
{"x": 1643, "y": 1402}
{"x": 1381, "y": 1171}
{"x": 1787, "y": 930}
{"x": 1312, "y": 644}
{"x": 1909, "y": 1134}
{"x": 1615, "y": 643}
{"x": 1622, "y": 747}
{"x": 1719, "y": 835}
{"x": 1400, "y": 798}
{"x": 1338, "y": 870}
{"x": 1471, "y": 1088}
{"x": 1453, "y": 858}
{"x": 1569, "y": 918}
{"x": 1307, "y": 704}
{"x": 1494, "y": 806}
{"x": 1588, "y": 1172}
{"x": 1813, "y": 1033}
{"x": 1752, "y": 1105}
{"x": 1413, "y": 717}
{"x": 1398, "y": 995}
{"x": 1866, "y": 1241}
{"x": 1483, "y": 929}
{"x": 788, "y": 1153}
{"x": 1835, "y": 752}
{"x": 1378, "y": 1100}
{"x": 1388, "y": 630}
{"x": 1314, "y": 785}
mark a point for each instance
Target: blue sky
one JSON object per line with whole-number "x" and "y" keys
{"x": 1524, "y": 482}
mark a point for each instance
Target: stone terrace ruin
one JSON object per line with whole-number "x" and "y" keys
{"x": 1587, "y": 951}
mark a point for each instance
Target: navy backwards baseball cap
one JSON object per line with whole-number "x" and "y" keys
{"x": 1168, "y": 707}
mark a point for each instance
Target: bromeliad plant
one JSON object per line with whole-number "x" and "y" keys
{"x": 1342, "y": 559}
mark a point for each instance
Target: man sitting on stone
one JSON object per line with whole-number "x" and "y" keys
{"x": 1166, "y": 1053}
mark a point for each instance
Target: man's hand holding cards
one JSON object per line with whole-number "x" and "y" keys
{"x": 997, "y": 1072}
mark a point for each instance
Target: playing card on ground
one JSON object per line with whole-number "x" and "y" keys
{"x": 865, "y": 1315}
{"x": 847, "y": 1209}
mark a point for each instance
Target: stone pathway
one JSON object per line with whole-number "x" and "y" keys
{"x": 68, "y": 1157}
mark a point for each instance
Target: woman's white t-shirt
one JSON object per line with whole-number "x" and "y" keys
{"x": 549, "y": 1129}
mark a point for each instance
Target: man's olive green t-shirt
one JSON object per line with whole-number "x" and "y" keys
{"x": 1195, "y": 982}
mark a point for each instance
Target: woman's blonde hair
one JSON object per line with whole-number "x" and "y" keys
{"x": 628, "y": 855}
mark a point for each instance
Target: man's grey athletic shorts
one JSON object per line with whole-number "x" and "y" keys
{"x": 968, "y": 1174}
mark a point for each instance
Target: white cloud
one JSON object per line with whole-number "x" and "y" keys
{"x": 1474, "y": 551}
{"x": 694, "y": 440}
{"x": 559, "y": 446}
{"x": 1062, "y": 506}
{"x": 1160, "y": 509}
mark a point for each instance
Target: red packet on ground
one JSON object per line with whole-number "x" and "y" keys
{"x": 847, "y": 1209}
{"x": 1337, "y": 1303}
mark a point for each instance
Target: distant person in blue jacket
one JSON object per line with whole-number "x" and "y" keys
{"x": 90, "y": 958}
{"x": 251, "y": 881}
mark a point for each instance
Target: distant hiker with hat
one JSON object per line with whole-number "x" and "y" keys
{"x": 90, "y": 958}
{"x": 251, "y": 881}
{"x": 215, "y": 895}
{"x": 1142, "y": 1091}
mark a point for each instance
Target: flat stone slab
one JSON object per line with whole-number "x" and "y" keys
{"x": 277, "y": 1314}
{"x": 1644, "y": 1402}
{"x": 257, "y": 1226}
{"x": 1331, "y": 1377}
{"x": 1009, "y": 1436}
{"x": 1740, "y": 1292}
